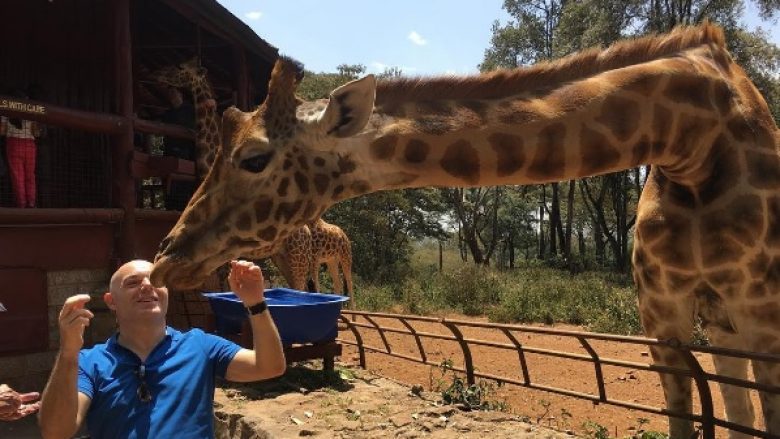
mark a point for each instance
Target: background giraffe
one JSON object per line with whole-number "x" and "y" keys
{"x": 707, "y": 240}
{"x": 192, "y": 77}
{"x": 299, "y": 254}
{"x": 332, "y": 247}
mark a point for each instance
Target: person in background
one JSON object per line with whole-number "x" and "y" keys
{"x": 15, "y": 405}
{"x": 150, "y": 380}
{"x": 21, "y": 153}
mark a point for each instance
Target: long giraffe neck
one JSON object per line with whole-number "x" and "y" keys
{"x": 207, "y": 124}
{"x": 574, "y": 122}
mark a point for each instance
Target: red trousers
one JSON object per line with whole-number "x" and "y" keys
{"x": 21, "y": 166}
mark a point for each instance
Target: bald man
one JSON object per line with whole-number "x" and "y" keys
{"x": 149, "y": 380}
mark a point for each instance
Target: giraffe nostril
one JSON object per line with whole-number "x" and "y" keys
{"x": 164, "y": 245}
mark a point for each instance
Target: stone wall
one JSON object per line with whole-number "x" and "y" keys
{"x": 29, "y": 372}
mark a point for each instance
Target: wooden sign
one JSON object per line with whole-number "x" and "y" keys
{"x": 22, "y": 106}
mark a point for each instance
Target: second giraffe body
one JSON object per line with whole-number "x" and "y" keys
{"x": 331, "y": 246}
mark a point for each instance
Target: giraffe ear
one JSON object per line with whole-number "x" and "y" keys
{"x": 349, "y": 107}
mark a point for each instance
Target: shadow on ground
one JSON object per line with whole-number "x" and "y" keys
{"x": 299, "y": 378}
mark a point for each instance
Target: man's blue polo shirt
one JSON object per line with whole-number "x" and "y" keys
{"x": 179, "y": 374}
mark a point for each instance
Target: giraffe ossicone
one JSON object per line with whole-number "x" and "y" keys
{"x": 707, "y": 240}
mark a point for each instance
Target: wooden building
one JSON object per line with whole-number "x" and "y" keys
{"x": 78, "y": 68}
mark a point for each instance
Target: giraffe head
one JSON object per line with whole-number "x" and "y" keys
{"x": 278, "y": 168}
{"x": 181, "y": 75}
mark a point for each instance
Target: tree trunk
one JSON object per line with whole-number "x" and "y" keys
{"x": 589, "y": 203}
{"x": 491, "y": 246}
{"x": 569, "y": 223}
{"x": 441, "y": 257}
{"x": 461, "y": 245}
{"x": 596, "y": 212}
{"x": 555, "y": 219}
{"x": 472, "y": 242}
{"x": 511, "y": 244}
{"x": 541, "y": 223}
{"x": 583, "y": 250}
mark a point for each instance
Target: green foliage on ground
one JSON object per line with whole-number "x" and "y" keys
{"x": 533, "y": 293}
{"x": 455, "y": 391}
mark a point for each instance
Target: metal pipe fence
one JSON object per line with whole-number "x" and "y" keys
{"x": 701, "y": 378}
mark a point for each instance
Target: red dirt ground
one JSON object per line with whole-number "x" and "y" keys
{"x": 629, "y": 385}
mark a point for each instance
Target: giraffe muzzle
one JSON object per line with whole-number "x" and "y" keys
{"x": 159, "y": 270}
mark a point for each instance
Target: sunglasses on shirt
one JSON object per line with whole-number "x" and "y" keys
{"x": 143, "y": 390}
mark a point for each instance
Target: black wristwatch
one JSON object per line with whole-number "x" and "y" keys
{"x": 257, "y": 308}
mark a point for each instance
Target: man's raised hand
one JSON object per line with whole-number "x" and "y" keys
{"x": 73, "y": 319}
{"x": 246, "y": 281}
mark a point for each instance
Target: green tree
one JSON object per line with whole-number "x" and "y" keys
{"x": 547, "y": 29}
{"x": 319, "y": 85}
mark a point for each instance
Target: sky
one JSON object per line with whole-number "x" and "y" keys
{"x": 421, "y": 37}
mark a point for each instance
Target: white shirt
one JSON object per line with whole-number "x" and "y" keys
{"x": 25, "y": 132}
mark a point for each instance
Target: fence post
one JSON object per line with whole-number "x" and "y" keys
{"x": 358, "y": 340}
{"x": 411, "y": 329}
{"x": 597, "y": 365}
{"x": 520, "y": 354}
{"x": 467, "y": 360}
{"x": 381, "y": 333}
{"x": 702, "y": 385}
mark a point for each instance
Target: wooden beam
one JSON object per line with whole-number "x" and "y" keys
{"x": 144, "y": 165}
{"x": 123, "y": 190}
{"x": 163, "y": 129}
{"x": 217, "y": 20}
{"x": 193, "y": 47}
{"x": 13, "y": 216}
{"x": 241, "y": 77}
{"x": 25, "y": 217}
{"x": 58, "y": 247}
{"x": 158, "y": 215}
{"x": 61, "y": 116}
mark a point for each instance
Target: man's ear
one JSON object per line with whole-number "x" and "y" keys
{"x": 109, "y": 299}
{"x": 349, "y": 107}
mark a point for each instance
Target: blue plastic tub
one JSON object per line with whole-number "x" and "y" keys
{"x": 300, "y": 317}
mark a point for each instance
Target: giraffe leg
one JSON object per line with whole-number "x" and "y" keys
{"x": 283, "y": 265}
{"x": 298, "y": 280}
{"x": 739, "y": 407}
{"x": 315, "y": 275}
{"x": 672, "y": 322}
{"x": 769, "y": 373}
{"x": 346, "y": 269}
{"x": 333, "y": 270}
{"x": 350, "y": 291}
{"x": 677, "y": 391}
{"x": 759, "y": 332}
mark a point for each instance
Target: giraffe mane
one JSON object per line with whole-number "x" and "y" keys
{"x": 581, "y": 65}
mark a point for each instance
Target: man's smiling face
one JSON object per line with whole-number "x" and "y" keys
{"x": 132, "y": 295}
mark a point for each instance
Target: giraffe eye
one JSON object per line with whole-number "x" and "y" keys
{"x": 256, "y": 163}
